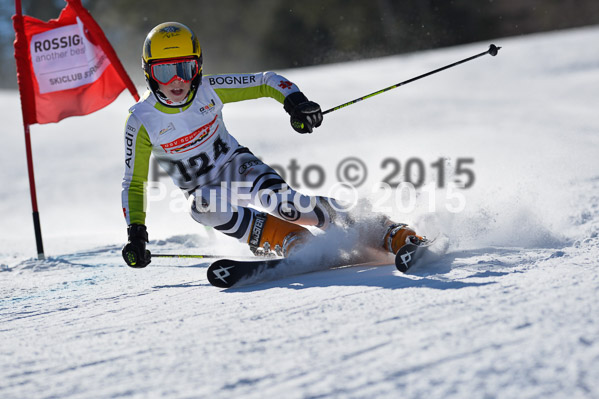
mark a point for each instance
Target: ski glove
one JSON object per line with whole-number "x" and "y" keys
{"x": 305, "y": 114}
{"x": 135, "y": 253}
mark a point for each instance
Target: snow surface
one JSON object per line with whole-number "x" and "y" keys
{"x": 510, "y": 311}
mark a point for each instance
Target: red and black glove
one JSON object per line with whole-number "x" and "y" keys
{"x": 134, "y": 252}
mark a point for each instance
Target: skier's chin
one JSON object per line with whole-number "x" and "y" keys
{"x": 177, "y": 95}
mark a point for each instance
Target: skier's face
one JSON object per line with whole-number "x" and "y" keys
{"x": 176, "y": 91}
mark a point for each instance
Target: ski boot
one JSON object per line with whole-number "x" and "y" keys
{"x": 399, "y": 234}
{"x": 271, "y": 236}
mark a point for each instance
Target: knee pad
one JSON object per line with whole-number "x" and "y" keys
{"x": 330, "y": 212}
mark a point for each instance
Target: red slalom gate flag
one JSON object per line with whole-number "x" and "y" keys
{"x": 66, "y": 66}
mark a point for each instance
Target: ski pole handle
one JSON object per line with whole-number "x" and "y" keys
{"x": 493, "y": 49}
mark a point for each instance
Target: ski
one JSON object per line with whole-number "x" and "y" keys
{"x": 225, "y": 273}
{"x": 411, "y": 254}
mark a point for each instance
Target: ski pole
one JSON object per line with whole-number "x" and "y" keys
{"x": 200, "y": 256}
{"x": 492, "y": 50}
{"x": 196, "y": 256}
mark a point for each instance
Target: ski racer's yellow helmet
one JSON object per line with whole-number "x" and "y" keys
{"x": 172, "y": 51}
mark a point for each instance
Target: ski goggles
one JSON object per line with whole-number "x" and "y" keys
{"x": 165, "y": 72}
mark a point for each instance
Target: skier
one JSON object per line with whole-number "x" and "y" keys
{"x": 180, "y": 121}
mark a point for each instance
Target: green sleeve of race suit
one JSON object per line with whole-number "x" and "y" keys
{"x": 249, "y": 93}
{"x": 239, "y": 87}
{"x": 134, "y": 195}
